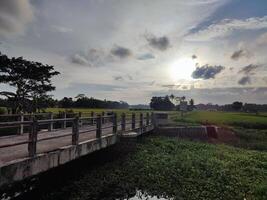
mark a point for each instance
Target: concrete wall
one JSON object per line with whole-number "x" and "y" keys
{"x": 21, "y": 169}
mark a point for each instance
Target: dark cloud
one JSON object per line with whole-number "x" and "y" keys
{"x": 118, "y": 78}
{"x": 249, "y": 69}
{"x": 160, "y": 43}
{"x": 146, "y": 56}
{"x": 194, "y": 57}
{"x": 246, "y": 80}
{"x": 207, "y": 72}
{"x": 240, "y": 53}
{"x": 92, "y": 57}
{"x": 121, "y": 52}
{"x": 14, "y": 15}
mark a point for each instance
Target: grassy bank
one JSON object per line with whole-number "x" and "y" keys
{"x": 170, "y": 168}
{"x": 236, "y": 119}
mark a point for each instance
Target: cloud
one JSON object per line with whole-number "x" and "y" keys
{"x": 14, "y": 15}
{"x": 146, "y": 56}
{"x": 118, "y": 78}
{"x": 262, "y": 39}
{"x": 61, "y": 29}
{"x": 249, "y": 69}
{"x": 79, "y": 59}
{"x": 121, "y": 52}
{"x": 92, "y": 57}
{"x": 228, "y": 26}
{"x": 240, "y": 53}
{"x": 194, "y": 57}
{"x": 245, "y": 81}
{"x": 207, "y": 72}
{"x": 160, "y": 43}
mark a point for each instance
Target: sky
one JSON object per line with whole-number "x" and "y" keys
{"x": 213, "y": 51}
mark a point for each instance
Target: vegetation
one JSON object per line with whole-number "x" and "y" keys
{"x": 31, "y": 80}
{"x": 235, "y": 119}
{"x": 82, "y": 101}
{"x": 166, "y": 167}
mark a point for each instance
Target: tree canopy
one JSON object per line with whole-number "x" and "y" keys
{"x": 31, "y": 80}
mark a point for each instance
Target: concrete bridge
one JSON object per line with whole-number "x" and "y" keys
{"x": 35, "y": 149}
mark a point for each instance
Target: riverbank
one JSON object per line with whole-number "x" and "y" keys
{"x": 164, "y": 167}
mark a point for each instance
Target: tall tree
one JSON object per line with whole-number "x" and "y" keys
{"x": 31, "y": 80}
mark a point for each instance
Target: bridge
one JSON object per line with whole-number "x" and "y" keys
{"x": 42, "y": 144}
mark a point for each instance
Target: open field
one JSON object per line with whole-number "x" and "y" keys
{"x": 232, "y": 119}
{"x": 172, "y": 168}
{"x": 96, "y": 110}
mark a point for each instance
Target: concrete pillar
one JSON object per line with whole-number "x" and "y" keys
{"x": 64, "y": 122}
{"x": 123, "y": 121}
{"x": 103, "y": 117}
{"x": 92, "y": 115}
{"x": 21, "y": 128}
{"x": 80, "y": 121}
{"x": 51, "y": 124}
{"x": 141, "y": 122}
{"x": 133, "y": 121}
{"x": 75, "y": 131}
{"x": 98, "y": 126}
{"x": 115, "y": 125}
{"x": 33, "y": 138}
{"x": 147, "y": 118}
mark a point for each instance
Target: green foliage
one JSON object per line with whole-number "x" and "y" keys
{"x": 236, "y": 119}
{"x": 173, "y": 168}
{"x": 2, "y": 111}
{"x": 31, "y": 80}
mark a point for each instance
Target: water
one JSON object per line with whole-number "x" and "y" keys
{"x": 144, "y": 196}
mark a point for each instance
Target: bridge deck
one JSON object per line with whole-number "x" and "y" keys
{"x": 9, "y": 154}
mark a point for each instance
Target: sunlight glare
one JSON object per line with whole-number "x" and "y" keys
{"x": 182, "y": 69}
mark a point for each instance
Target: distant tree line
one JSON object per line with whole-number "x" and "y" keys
{"x": 81, "y": 101}
{"x": 170, "y": 102}
{"x": 235, "y": 106}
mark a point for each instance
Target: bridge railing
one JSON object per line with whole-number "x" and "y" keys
{"x": 118, "y": 125}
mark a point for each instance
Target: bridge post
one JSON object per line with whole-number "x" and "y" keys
{"x": 115, "y": 124}
{"x": 92, "y": 115}
{"x": 80, "y": 121}
{"x": 141, "y": 122}
{"x": 103, "y": 117}
{"x": 21, "y": 128}
{"x": 133, "y": 121}
{"x": 98, "y": 126}
{"x": 50, "y": 126}
{"x": 33, "y": 138}
{"x": 153, "y": 119}
{"x": 123, "y": 121}
{"x": 147, "y": 118}
{"x": 64, "y": 122}
{"x": 75, "y": 131}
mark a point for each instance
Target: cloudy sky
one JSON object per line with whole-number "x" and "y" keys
{"x": 209, "y": 50}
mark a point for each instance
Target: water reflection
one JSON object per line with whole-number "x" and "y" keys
{"x": 144, "y": 196}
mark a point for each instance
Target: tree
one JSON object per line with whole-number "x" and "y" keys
{"x": 237, "y": 105}
{"x": 191, "y": 104}
{"x": 161, "y": 103}
{"x": 31, "y": 80}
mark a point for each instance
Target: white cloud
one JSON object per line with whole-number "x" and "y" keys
{"x": 228, "y": 26}
{"x": 14, "y": 15}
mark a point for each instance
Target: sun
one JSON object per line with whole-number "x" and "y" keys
{"x": 182, "y": 69}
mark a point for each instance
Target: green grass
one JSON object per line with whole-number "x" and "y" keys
{"x": 96, "y": 110}
{"x": 235, "y": 119}
{"x": 172, "y": 168}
